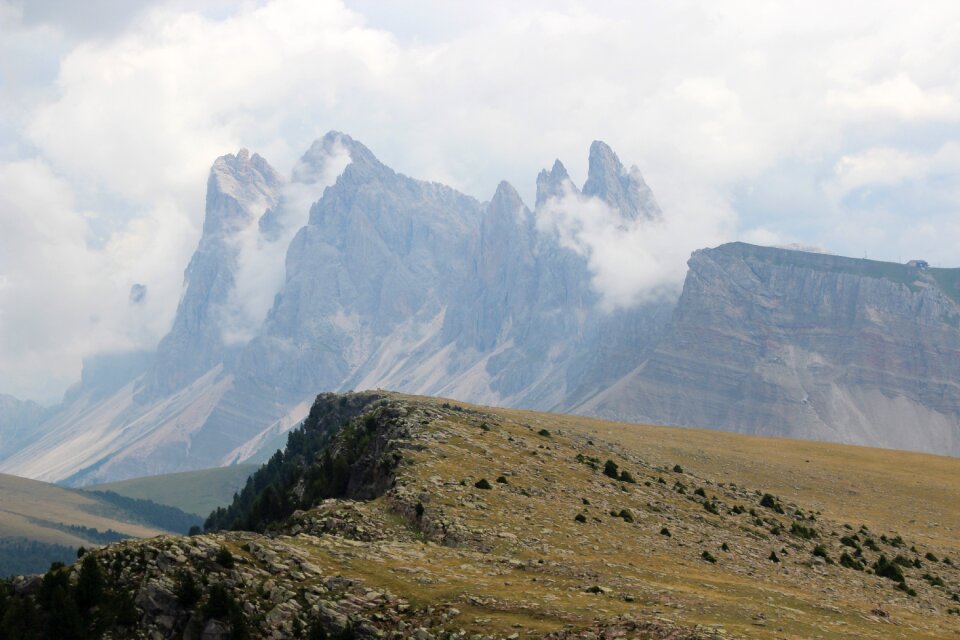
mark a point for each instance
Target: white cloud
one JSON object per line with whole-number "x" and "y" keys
{"x": 261, "y": 256}
{"x": 634, "y": 261}
{"x": 62, "y": 299}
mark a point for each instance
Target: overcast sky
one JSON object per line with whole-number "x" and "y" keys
{"x": 833, "y": 124}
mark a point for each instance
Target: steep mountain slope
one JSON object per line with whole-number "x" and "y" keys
{"x": 450, "y": 521}
{"x": 805, "y": 345}
{"x": 240, "y": 189}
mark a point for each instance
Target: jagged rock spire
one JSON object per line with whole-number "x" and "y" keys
{"x": 553, "y": 183}
{"x": 621, "y": 188}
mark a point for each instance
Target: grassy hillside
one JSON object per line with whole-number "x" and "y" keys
{"x": 44, "y": 521}
{"x": 519, "y": 524}
{"x": 198, "y": 492}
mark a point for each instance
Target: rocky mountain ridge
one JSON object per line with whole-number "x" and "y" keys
{"x": 349, "y": 275}
{"x": 391, "y": 516}
{"x": 390, "y": 281}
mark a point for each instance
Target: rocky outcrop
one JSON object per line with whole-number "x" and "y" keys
{"x": 807, "y": 345}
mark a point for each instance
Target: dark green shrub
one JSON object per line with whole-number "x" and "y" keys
{"x": 908, "y": 590}
{"x": 611, "y": 470}
{"x": 502, "y": 480}
{"x": 848, "y": 561}
{"x": 186, "y": 590}
{"x": 63, "y": 620}
{"x": 419, "y": 509}
{"x": 544, "y": 433}
{"x": 483, "y": 484}
{"x": 700, "y": 492}
{"x": 626, "y": 477}
{"x": 931, "y": 557}
{"x": 677, "y": 468}
{"x": 935, "y": 581}
{"x": 769, "y": 501}
{"x": 706, "y": 555}
{"x": 219, "y": 603}
{"x": 665, "y": 532}
{"x": 886, "y": 569}
{"x": 903, "y": 561}
{"x": 725, "y": 547}
{"x": 125, "y": 610}
{"x": 580, "y": 517}
{"x": 711, "y": 507}
{"x": 774, "y": 557}
{"x": 224, "y": 558}
{"x": 626, "y": 514}
{"x": 89, "y": 590}
{"x": 238, "y": 625}
{"x": 850, "y": 541}
{"x": 485, "y": 426}
{"x": 807, "y": 533}
{"x": 820, "y": 551}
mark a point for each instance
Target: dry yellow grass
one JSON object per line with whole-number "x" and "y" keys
{"x": 525, "y": 561}
{"x": 28, "y": 506}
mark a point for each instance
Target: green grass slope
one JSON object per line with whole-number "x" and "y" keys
{"x": 40, "y": 522}
{"x": 197, "y": 492}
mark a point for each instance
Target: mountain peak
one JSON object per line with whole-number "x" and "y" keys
{"x": 603, "y": 157}
{"x": 248, "y": 180}
{"x": 331, "y": 153}
{"x": 552, "y": 183}
{"x": 506, "y": 196}
{"x": 625, "y": 190}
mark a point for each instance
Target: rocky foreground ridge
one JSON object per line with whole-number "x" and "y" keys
{"x": 392, "y": 516}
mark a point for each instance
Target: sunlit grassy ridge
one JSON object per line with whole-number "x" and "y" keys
{"x": 503, "y": 523}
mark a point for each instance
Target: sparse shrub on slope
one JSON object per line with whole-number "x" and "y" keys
{"x": 890, "y": 570}
{"x": 769, "y": 501}
{"x": 610, "y": 469}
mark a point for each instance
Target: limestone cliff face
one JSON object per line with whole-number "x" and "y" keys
{"x": 240, "y": 189}
{"x": 381, "y": 254}
{"x": 807, "y": 345}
